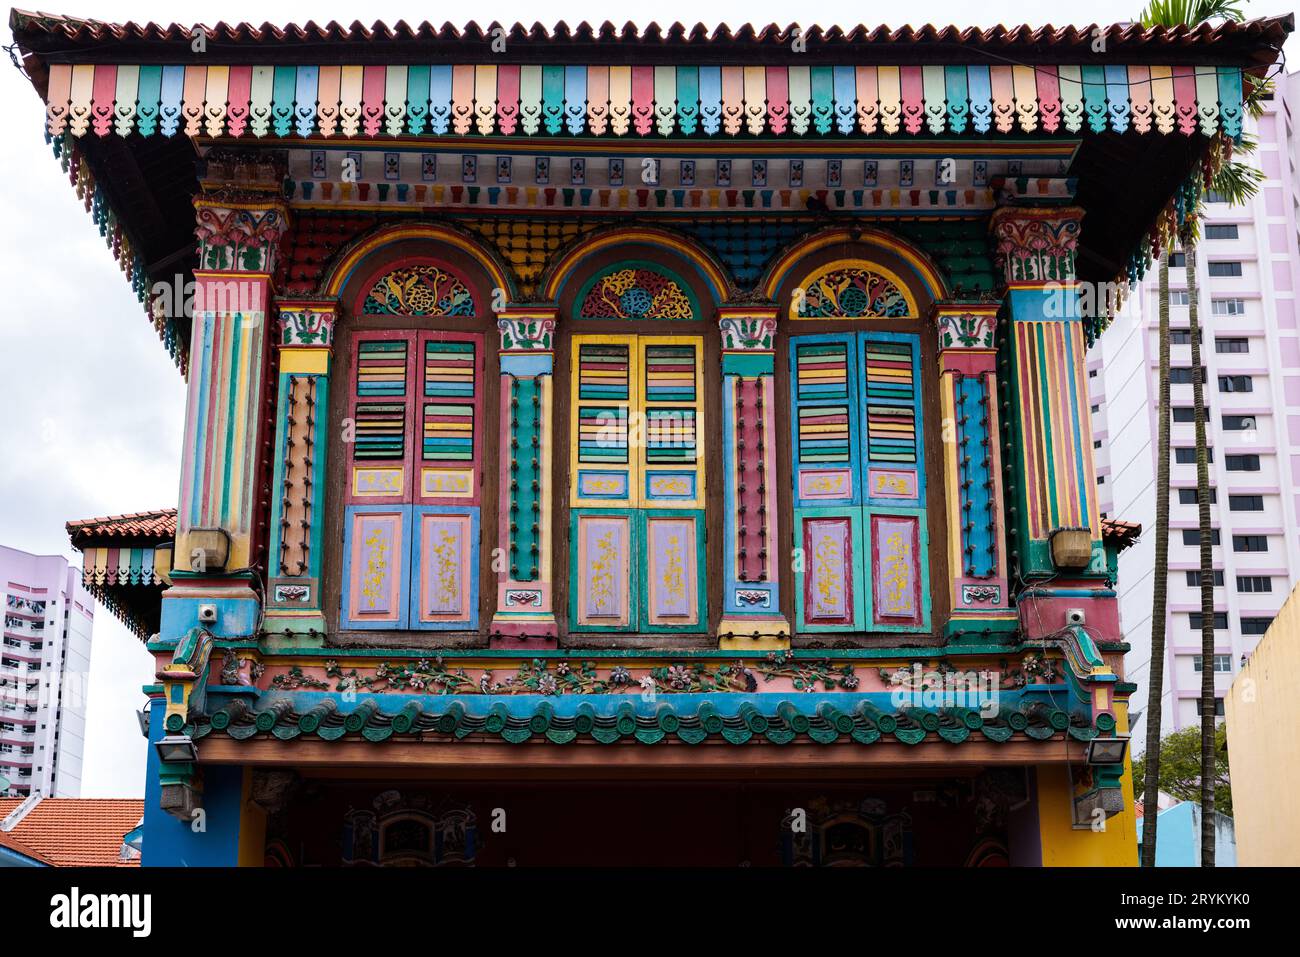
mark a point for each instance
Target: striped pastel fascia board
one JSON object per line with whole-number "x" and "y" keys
{"x": 102, "y": 565}
{"x": 639, "y": 101}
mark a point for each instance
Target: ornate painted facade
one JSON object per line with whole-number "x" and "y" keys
{"x": 700, "y": 418}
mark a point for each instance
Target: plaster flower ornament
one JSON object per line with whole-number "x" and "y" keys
{"x": 547, "y": 684}
{"x": 679, "y": 677}
{"x": 562, "y": 668}
{"x": 647, "y": 683}
{"x": 620, "y": 676}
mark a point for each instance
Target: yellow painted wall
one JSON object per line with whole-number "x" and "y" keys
{"x": 1263, "y": 715}
{"x": 1062, "y": 845}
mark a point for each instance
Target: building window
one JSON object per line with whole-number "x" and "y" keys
{"x": 1192, "y": 536}
{"x": 1234, "y": 383}
{"x": 1096, "y": 443}
{"x": 1255, "y": 626}
{"x": 1178, "y": 297}
{"x": 1187, "y": 496}
{"x": 1177, "y": 260}
{"x": 1101, "y": 480}
{"x": 414, "y": 472}
{"x": 1245, "y": 503}
{"x": 1250, "y": 543}
{"x": 1231, "y": 345}
{"x": 1238, "y": 423}
{"x": 1242, "y": 463}
{"x": 1183, "y": 337}
{"x": 1092, "y": 373}
{"x": 1228, "y": 307}
{"x": 1184, "y": 414}
{"x": 1096, "y": 408}
{"x": 1254, "y": 584}
{"x": 1183, "y": 375}
{"x": 1214, "y": 196}
{"x": 1226, "y": 231}
{"x": 1220, "y": 620}
{"x": 1222, "y": 663}
{"x": 1194, "y": 579}
{"x": 1225, "y": 269}
{"x": 1187, "y": 456}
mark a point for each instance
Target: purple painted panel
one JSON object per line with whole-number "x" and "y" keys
{"x": 442, "y": 566}
{"x": 895, "y": 576}
{"x": 672, "y": 571}
{"x": 376, "y": 565}
{"x": 603, "y": 561}
{"x": 828, "y": 595}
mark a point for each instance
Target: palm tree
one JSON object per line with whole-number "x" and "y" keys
{"x": 1237, "y": 183}
{"x": 1160, "y": 588}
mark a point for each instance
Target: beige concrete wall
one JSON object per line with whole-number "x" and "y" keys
{"x": 1263, "y": 714}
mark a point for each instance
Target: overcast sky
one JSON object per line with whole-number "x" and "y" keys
{"x": 91, "y": 405}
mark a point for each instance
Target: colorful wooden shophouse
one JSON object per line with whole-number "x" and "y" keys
{"x": 633, "y": 446}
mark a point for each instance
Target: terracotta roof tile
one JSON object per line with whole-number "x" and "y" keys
{"x": 1024, "y": 36}
{"x": 158, "y": 525}
{"x": 1120, "y": 532}
{"x": 75, "y": 832}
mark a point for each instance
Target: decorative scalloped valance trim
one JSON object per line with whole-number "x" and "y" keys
{"x": 638, "y": 101}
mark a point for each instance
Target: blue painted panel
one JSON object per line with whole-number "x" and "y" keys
{"x": 825, "y": 422}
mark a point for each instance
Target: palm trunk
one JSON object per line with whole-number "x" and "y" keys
{"x": 1160, "y": 590}
{"x": 1207, "y": 571}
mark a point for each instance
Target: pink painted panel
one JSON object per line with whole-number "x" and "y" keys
{"x": 377, "y": 554}
{"x": 604, "y": 548}
{"x": 445, "y": 572}
{"x": 828, "y": 577}
{"x": 895, "y": 570}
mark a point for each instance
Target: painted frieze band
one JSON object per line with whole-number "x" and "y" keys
{"x": 638, "y": 101}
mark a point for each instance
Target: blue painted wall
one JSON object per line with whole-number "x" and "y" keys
{"x": 1178, "y": 839}
{"x": 172, "y": 843}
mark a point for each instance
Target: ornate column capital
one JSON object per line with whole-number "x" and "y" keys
{"x": 306, "y": 323}
{"x": 526, "y": 327}
{"x": 239, "y": 230}
{"x": 748, "y": 327}
{"x": 1035, "y": 245}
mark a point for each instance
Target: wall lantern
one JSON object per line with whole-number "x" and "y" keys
{"x": 176, "y": 749}
{"x": 1106, "y": 752}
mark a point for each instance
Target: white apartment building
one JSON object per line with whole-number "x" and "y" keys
{"x": 44, "y": 666}
{"x": 1248, "y": 271}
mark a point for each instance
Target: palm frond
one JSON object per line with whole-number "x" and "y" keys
{"x": 1175, "y": 13}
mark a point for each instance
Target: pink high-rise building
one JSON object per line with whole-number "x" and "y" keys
{"x": 1248, "y": 270}
{"x": 44, "y": 664}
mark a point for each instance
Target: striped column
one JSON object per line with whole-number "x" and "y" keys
{"x": 305, "y": 339}
{"x": 522, "y": 562}
{"x": 751, "y": 603}
{"x": 1054, "y": 479}
{"x": 968, "y": 393}
{"x": 228, "y": 375}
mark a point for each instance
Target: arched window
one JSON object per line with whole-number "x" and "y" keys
{"x": 414, "y": 433}
{"x": 857, "y": 443}
{"x": 637, "y": 441}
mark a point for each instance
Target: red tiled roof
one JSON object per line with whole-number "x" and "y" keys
{"x": 159, "y": 525}
{"x": 1127, "y": 35}
{"x": 1120, "y": 532}
{"x": 74, "y": 832}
